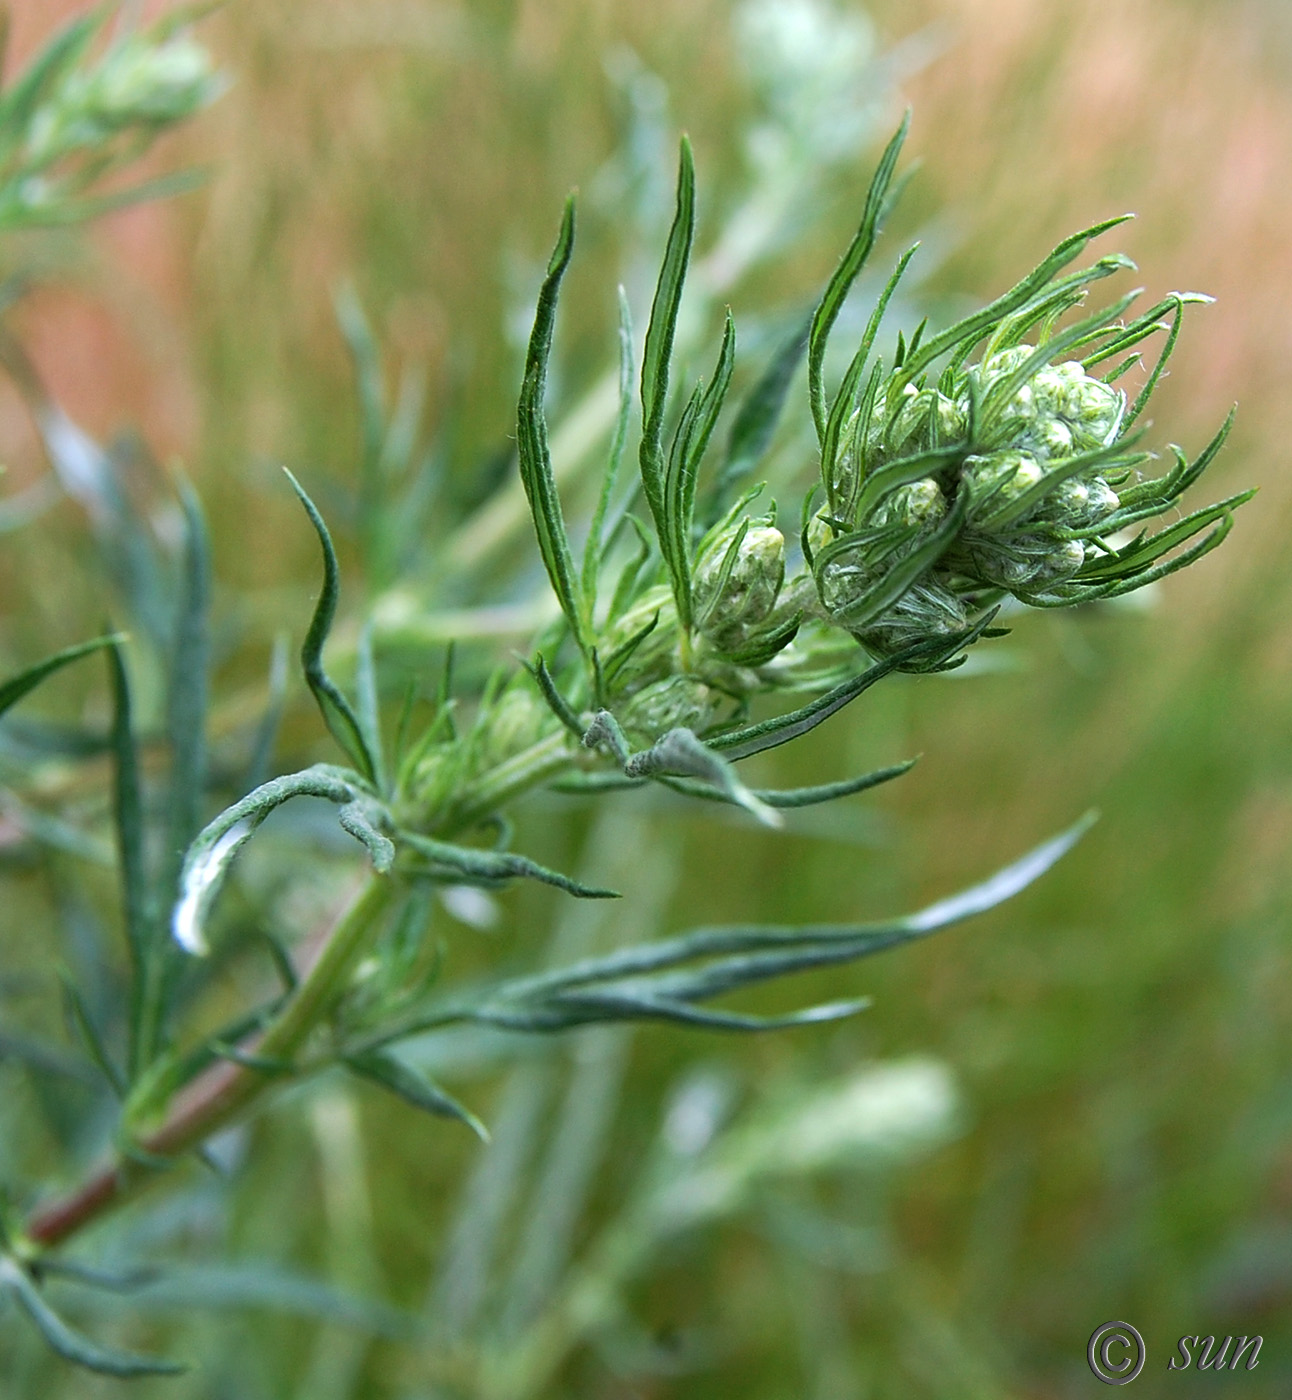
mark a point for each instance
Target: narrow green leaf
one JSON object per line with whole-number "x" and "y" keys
{"x": 187, "y": 684}
{"x": 564, "y": 1011}
{"x": 16, "y": 687}
{"x": 1117, "y": 340}
{"x": 128, "y": 820}
{"x": 710, "y": 407}
{"x": 658, "y": 351}
{"x": 72, "y": 1346}
{"x": 1102, "y": 460}
{"x": 679, "y": 753}
{"x": 806, "y": 945}
{"x": 370, "y": 382}
{"x": 770, "y": 733}
{"x": 88, "y": 1034}
{"x": 967, "y": 332}
{"x": 794, "y": 797}
{"x": 469, "y": 865}
{"x": 334, "y": 707}
{"x": 1002, "y": 392}
{"x": 357, "y": 819}
{"x": 262, "y": 1285}
{"x": 44, "y": 1059}
{"x": 596, "y": 544}
{"x": 556, "y": 702}
{"x": 836, "y": 293}
{"x": 899, "y": 473}
{"x": 1046, "y": 307}
{"x": 729, "y": 557}
{"x": 622, "y": 654}
{"x": 889, "y": 587}
{"x": 759, "y": 650}
{"x": 109, "y": 1280}
{"x": 393, "y": 1074}
{"x": 531, "y": 441}
{"x": 1146, "y": 549}
{"x": 1146, "y": 393}
{"x": 67, "y": 212}
{"x": 207, "y": 860}
{"x": 654, "y": 979}
{"x": 64, "y": 50}
{"x": 689, "y": 447}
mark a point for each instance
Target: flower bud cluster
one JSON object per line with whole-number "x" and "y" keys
{"x": 96, "y": 114}
{"x": 138, "y": 83}
{"x": 1018, "y": 459}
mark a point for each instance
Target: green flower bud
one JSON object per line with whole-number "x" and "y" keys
{"x": 677, "y": 702}
{"x": 730, "y": 608}
{"x": 917, "y": 503}
{"x": 1060, "y": 562}
{"x": 1027, "y": 564}
{"x": 1061, "y": 410}
{"x": 1050, "y": 437}
{"x": 1090, "y": 409}
{"x": 142, "y": 82}
{"x": 138, "y": 83}
{"x": 517, "y": 719}
{"x": 925, "y": 610}
{"x": 926, "y": 418}
{"x": 1081, "y": 504}
{"x": 997, "y": 478}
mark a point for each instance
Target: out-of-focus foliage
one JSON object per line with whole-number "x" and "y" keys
{"x": 1118, "y": 1039}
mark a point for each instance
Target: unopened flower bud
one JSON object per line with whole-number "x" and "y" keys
{"x": 1027, "y": 564}
{"x": 1000, "y": 477}
{"x": 925, "y": 610}
{"x": 677, "y": 702}
{"x": 1050, "y": 437}
{"x": 1090, "y": 409}
{"x": 917, "y": 503}
{"x": 1058, "y": 563}
{"x": 1081, "y": 504}
{"x": 143, "y": 82}
{"x": 927, "y": 418}
{"x": 730, "y": 608}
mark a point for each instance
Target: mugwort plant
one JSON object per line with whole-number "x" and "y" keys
{"x": 994, "y": 464}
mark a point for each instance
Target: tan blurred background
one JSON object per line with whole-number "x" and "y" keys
{"x": 1123, "y": 1034}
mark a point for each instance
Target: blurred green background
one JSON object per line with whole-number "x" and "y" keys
{"x": 1121, "y": 1036}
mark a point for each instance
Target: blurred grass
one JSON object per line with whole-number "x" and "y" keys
{"x": 1122, "y": 1030}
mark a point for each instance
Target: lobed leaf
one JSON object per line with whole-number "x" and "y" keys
{"x": 662, "y": 980}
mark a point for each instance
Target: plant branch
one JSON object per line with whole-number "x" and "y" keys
{"x": 224, "y": 1092}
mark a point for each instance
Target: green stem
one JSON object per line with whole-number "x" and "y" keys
{"x": 225, "y": 1091}
{"x": 542, "y": 761}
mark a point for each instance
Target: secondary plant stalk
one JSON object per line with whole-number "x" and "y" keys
{"x": 224, "y": 1092}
